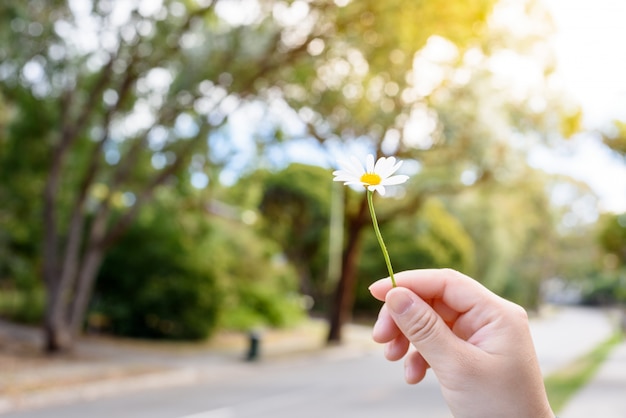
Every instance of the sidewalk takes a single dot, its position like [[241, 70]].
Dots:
[[558, 345], [104, 366], [562, 334], [605, 395]]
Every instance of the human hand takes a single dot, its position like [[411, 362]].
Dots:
[[477, 343]]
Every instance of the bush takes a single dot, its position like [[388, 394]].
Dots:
[[22, 305], [605, 288], [156, 283], [259, 287], [183, 276]]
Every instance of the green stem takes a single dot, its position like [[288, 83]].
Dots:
[[380, 237]]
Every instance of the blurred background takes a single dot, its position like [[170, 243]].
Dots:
[[165, 165]]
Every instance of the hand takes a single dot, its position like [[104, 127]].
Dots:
[[477, 343]]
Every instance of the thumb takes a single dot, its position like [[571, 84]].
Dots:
[[422, 326]]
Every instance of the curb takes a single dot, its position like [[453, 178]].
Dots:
[[97, 389]]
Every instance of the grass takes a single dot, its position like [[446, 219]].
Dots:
[[564, 383]]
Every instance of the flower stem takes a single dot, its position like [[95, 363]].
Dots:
[[380, 237]]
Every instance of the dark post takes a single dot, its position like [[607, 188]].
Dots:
[[254, 342]]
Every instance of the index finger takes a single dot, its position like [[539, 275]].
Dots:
[[456, 290]]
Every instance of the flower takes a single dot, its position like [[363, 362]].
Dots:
[[374, 176]]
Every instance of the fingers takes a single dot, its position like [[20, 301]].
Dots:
[[397, 348], [415, 368], [440, 313], [421, 325], [385, 329], [458, 292]]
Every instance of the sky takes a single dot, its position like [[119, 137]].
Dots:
[[591, 63]]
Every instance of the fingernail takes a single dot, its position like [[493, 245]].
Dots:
[[372, 285], [399, 302]]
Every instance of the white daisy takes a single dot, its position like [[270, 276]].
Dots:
[[374, 176]]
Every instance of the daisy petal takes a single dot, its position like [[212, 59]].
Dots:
[[383, 165], [369, 165], [390, 168], [393, 180], [352, 167], [355, 182], [358, 167]]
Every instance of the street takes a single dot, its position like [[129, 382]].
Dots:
[[350, 381], [363, 385]]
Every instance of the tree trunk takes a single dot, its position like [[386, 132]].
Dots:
[[58, 338], [66, 305], [341, 309], [57, 335], [84, 288]]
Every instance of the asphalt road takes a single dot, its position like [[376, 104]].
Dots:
[[343, 385]]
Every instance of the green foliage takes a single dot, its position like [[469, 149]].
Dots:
[[513, 230], [606, 284], [605, 287], [259, 306], [22, 305], [183, 276], [295, 205], [156, 283], [23, 163], [433, 238], [612, 238], [259, 288]]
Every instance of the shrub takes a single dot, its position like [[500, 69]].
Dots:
[[183, 276], [156, 284], [259, 287], [605, 288]]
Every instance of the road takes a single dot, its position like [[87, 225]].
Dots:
[[343, 382], [329, 385]]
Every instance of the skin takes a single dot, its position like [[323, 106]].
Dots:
[[478, 344]]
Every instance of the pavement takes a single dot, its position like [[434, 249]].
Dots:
[[605, 395], [102, 366]]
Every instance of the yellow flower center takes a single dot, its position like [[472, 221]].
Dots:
[[371, 179]]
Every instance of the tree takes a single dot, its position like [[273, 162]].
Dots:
[[607, 282], [124, 97], [465, 135], [514, 230], [296, 207], [128, 96], [612, 238]]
